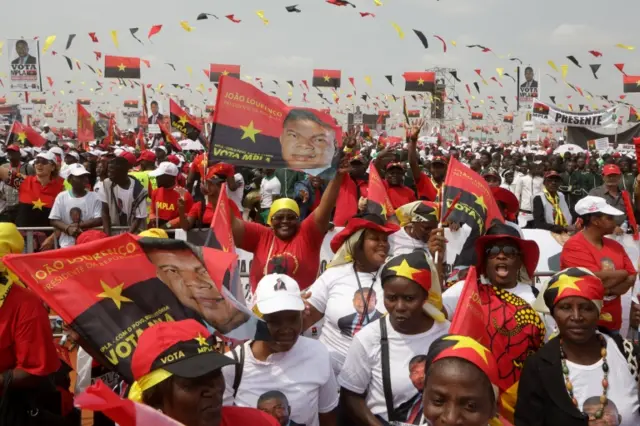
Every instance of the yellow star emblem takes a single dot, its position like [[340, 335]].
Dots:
[[420, 82], [480, 202], [327, 78], [250, 132], [565, 282], [113, 293], [201, 340], [121, 67], [225, 72], [22, 136], [38, 204], [468, 342], [405, 270], [183, 120]]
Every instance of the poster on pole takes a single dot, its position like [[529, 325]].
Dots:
[[24, 65], [528, 91]]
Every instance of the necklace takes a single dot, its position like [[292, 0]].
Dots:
[[605, 382]]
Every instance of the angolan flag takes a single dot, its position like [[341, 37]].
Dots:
[[121, 67], [183, 122], [631, 83], [422, 81], [218, 70], [327, 78]]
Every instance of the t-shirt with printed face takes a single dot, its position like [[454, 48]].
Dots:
[[578, 252], [303, 374], [362, 370], [347, 307], [70, 209]]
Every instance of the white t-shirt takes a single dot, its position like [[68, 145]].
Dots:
[[362, 370], [125, 199], [236, 196], [451, 296], [335, 293], [71, 209], [268, 188], [402, 243], [623, 390], [98, 187], [303, 374]]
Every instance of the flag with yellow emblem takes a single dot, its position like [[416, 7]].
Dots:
[[110, 290], [86, 126], [25, 135], [378, 201], [183, 122], [218, 70], [257, 130], [121, 67]]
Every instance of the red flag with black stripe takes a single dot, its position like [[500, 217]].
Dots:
[[39, 101], [254, 129], [326, 78], [476, 116], [378, 201], [183, 121], [422, 81], [168, 136], [132, 103], [86, 125], [84, 101], [121, 67], [110, 290], [218, 70], [25, 135], [631, 83], [508, 118]]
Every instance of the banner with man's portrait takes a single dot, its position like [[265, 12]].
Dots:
[[24, 65], [254, 129], [528, 90]]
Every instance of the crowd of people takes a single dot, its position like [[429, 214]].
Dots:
[[370, 340]]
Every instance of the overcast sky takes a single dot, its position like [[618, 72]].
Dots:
[[326, 36]]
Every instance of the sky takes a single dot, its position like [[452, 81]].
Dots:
[[329, 37]]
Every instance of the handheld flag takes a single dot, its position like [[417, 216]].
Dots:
[[25, 135], [184, 122]]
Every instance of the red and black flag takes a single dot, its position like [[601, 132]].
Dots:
[[84, 101], [422, 81], [413, 113], [166, 133], [133, 103], [634, 116], [183, 122], [541, 110], [508, 118], [48, 114], [476, 116], [218, 70], [111, 290], [121, 67], [254, 129], [631, 83], [145, 110], [475, 208], [86, 126], [378, 201], [25, 135], [327, 78], [39, 101], [209, 108]]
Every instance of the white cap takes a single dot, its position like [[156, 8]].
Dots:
[[162, 147], [56, 150], [276, 293], [118, 151], [165, 168], [76, 169], [46, 125], [74, 155], [47, 155], [591, 204]]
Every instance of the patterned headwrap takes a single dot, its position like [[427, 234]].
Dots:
[[419, 268], [578, 282], [418, 211], [282, 204], [11, 242]]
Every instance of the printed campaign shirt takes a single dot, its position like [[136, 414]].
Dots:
[[34, 200], [164, 203]]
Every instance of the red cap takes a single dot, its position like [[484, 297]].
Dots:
[[551, 173], [395, 164], [222, 170], [174, 159], [439, 159], [129, 157], [147, 156], [611, 169], [13, 147]]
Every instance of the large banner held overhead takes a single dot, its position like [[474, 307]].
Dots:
[[24, 65], [550, 114], [254, 129], [111, 290]]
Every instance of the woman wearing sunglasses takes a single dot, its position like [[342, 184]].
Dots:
[[515, 329]]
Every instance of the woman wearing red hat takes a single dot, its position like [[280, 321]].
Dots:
[[383, 382], [345, 294], [581, 377]]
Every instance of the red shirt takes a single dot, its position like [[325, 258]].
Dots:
[[164, 201], [347, 204], [26, 341], [399, 195], [235, 416], [427, 188], [577, 251], [209, 211], [300, 255]]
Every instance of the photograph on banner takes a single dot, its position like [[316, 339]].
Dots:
[[155, 111], [550, 114], [258, 130], [528, 91], [109, 291], [24, 65]]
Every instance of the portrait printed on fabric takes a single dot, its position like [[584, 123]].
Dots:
[[364, 304], [276, 404]]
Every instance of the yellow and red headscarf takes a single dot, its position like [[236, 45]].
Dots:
[[578, 282]]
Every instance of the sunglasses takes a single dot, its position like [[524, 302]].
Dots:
[[508, 251], [287, 217]]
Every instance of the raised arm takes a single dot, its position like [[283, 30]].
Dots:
[[412, 139]]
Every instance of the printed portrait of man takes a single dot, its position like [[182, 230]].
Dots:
[[611, 416], [182, 271], [276, 404], [307, 141], [411, 410], [22, 50], [364, 302], [529, 81]]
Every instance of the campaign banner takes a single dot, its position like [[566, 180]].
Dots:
[[24, 65], [550, 114], [528, 91], [254, 129], [109, 291]]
